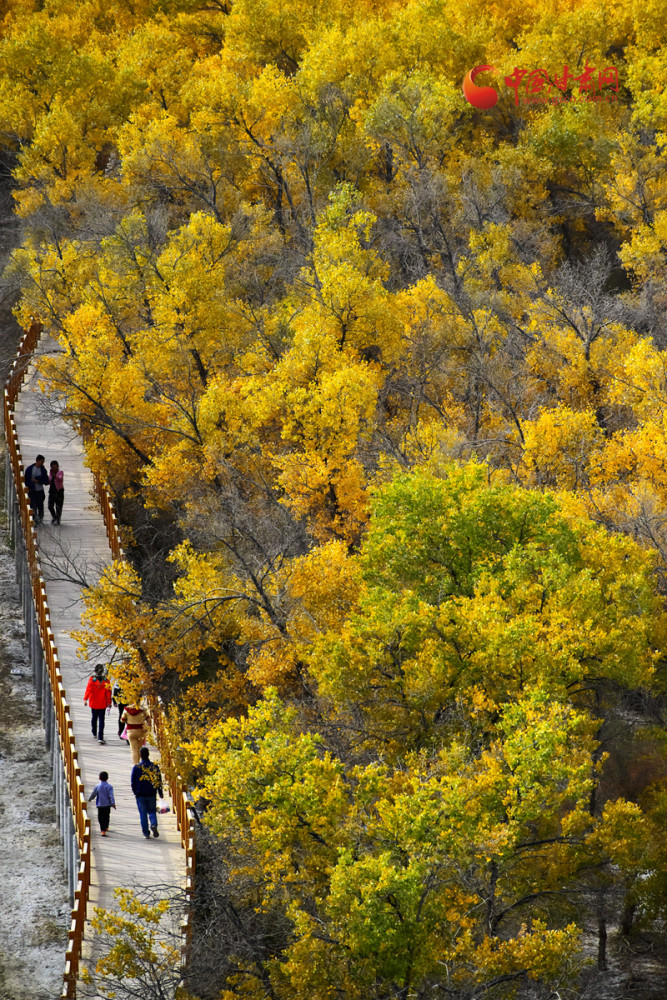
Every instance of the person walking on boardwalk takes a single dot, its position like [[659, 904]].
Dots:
[[104, 800], [120, 703], [36, 478], [98, 697], [56, 493], [146, 780], [138, 723]]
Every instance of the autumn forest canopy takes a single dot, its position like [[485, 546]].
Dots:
[[377, 380]]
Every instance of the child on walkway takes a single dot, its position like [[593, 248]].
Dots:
[[104, 800]]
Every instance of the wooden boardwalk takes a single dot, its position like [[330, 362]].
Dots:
[[124, 858]]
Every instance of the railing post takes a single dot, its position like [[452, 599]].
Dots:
[[25, 576], [11, 513], [19, 564], [34, 640], [38, 676], [55, 776], [18, 560], [71, 840], [47, 710], [9, 498]]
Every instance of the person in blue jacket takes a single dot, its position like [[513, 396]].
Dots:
[[104, 800], [146, 782], [36, 478]]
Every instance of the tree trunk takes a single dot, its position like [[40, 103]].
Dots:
[[602, 937], [628, 918]]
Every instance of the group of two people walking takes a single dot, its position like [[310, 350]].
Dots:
[[37, 479], [133, 720], [146, 782]]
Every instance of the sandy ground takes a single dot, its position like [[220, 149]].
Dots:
[[34, 907]]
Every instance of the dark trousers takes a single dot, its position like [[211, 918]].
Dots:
[[37, 503], [103, 814], [56, 500], [121, 725], [97, 722]]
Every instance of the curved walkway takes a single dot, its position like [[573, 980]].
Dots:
[[124, 858]]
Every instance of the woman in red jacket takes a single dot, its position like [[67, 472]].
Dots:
[[98, 697]]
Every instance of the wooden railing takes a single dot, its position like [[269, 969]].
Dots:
[[65, 733], [109, 515], [179, 793], [184, 818], [24, 354], [178, 788]]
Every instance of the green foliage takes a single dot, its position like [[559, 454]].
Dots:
[[473, 593], [458, 694]]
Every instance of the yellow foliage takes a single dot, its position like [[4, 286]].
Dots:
[[558, 447], [329, 331]]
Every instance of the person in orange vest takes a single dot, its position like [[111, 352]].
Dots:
[[137, 722], [98, 698]]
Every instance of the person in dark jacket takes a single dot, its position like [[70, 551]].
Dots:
[[98, 697], [119, 701], [36, 478], [146, 783]]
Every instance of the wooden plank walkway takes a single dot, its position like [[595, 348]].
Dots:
[[124, 858]]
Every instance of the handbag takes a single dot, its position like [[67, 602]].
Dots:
[[123, 735]]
